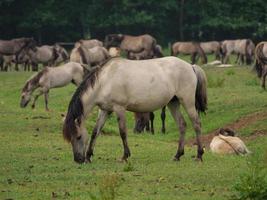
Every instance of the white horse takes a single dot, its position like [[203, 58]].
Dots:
[[51, 77], [123, 85]]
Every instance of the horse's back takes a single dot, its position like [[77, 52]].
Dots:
[[139, 81]]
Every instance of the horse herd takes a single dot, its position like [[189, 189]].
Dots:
[[143, 83]]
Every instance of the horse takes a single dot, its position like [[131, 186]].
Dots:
[[114, 51], [261, 61], [90, 57], [143, 44], [227, 143], [189, 48], [51, 77], [15, 46], [122, 85], [89, 43], [212, 47], [63, 55], [45, 55], [157, 53], [244, 48]]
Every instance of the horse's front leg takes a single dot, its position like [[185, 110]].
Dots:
[[102, 117], [36, 97], [46, 94], [264, 74], [163, 117], [120, 112], [152, 116]]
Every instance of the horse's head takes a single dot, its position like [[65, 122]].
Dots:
[[113, 40], [30, 44], [26, 95], [74, 130], [79, 143]]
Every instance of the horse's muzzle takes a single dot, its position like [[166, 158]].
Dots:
[[23, 104], [79, 158]]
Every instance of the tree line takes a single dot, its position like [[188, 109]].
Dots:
[[50, 21]]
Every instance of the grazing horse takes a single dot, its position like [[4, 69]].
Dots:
[[88, 44], [90, 57], [122, 85], [212, 47], [145, 45], [45, 55], [142, 55], [51, 77], [244, 48], [189, 48], [261, 61]]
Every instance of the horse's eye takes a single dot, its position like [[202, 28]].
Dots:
[[79, 137]]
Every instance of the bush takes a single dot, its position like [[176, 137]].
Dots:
[[252, 185]]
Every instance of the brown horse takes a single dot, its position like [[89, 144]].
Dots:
[[261, 61], [189, 48], [145, 45]]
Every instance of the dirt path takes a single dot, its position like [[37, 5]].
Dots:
[[237, 125]]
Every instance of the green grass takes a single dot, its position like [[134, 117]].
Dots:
[[36, 163]]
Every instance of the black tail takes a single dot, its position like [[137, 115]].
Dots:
[[201, 100], [201, 53]]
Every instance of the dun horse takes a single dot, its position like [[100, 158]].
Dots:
[[90, 57], [261, 61], [89, 44], [138, 86], [243, 48], [45, 55], [189, 48], [144, 45], [212, 47], [51, 77]]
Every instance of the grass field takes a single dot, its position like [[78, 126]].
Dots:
[[36, 163]]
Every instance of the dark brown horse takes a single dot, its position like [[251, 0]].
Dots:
[[144, 45], [261, 61], [189, 48]]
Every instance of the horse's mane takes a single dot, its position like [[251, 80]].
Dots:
[[82, 54], [76, 109], [34, 79]]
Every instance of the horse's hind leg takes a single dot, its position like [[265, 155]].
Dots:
[[102, 118], [163, 117], [264, 74], [120, 112], [181, 124], [191, 110]]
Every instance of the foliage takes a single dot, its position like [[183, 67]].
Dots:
[[46, 20], [252, 185]]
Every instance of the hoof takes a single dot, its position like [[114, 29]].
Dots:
[[87, 161], [176, 159], [33, 106]]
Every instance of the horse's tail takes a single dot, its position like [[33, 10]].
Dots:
[[201, 102], [261, 60], [55, 54], [172, 53], [201, 53], [247, 53]]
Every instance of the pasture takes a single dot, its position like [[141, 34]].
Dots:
[[36, 163]]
